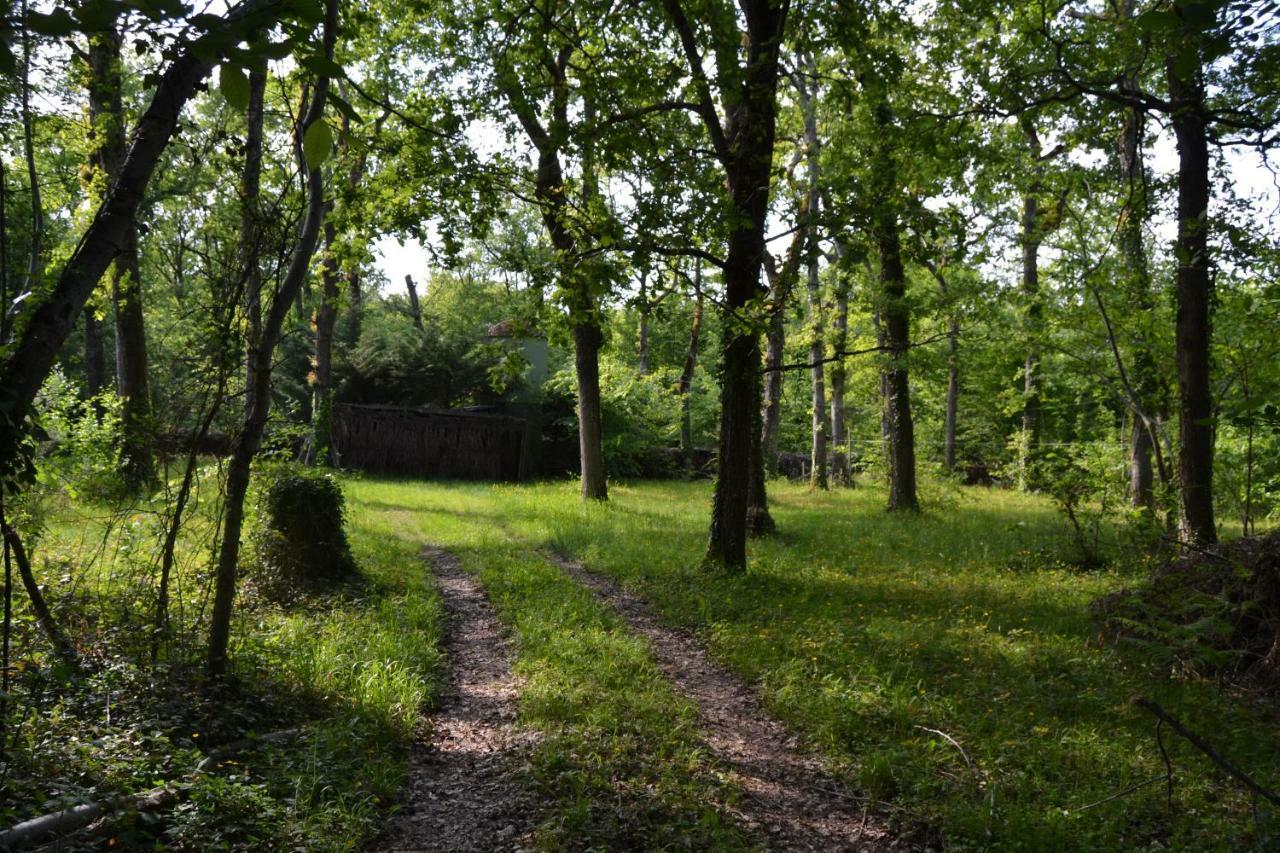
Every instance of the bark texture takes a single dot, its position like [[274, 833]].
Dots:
[[895, 321], [1193, 329], [107, 128]]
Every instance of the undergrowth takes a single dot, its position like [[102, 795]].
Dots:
[[343, 677]]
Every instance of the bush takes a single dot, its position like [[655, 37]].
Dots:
[[301, 538], [1215, 611]]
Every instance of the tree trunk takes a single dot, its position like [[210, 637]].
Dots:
[[29, 361], [686, 374], [817, 347], [107, 123], [953, 394], [1194, 300], [642, 332], [895, 321], [95, 358], [817, 352], [259, 391], [251, 222], [1030, 438], [137, 463], [897, 330], [1134, 258], [759, 521], [1032, 236], [587, 339], [744, 145], [775, 346], [415, 308], [325, 317], [840, 468]]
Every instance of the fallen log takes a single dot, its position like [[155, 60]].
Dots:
[[75, 818]]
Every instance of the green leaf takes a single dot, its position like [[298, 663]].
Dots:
[[322, 65], [317, 143], [341, 105], [57, 23], [1157, 20], [234, 85]]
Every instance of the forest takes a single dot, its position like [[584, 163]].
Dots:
[[640, 425]]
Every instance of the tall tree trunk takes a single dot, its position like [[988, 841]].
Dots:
[[1134, 257], [744, 145], [1031, 236], [138, 464], [576, 281], [781, 283], [895, 320], [415, 307], [685, 387], [897, 330], [35, 256], [588, 336], [953, 365], [259, 391], [817, 347], [1194, 298], [251, 222], [840, 468], [29, 361], [107, 122], [953, 393], [817, 352], [326, 317]]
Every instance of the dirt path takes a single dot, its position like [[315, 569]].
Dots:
[[462, 793], [791, 802]]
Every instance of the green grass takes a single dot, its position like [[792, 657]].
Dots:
[[863, 629], [351, 672], [619, 756]]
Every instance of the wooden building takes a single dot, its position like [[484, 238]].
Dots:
[[449, 444]]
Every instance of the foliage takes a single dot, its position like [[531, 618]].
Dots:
[[1215, 612], [81, 456], [350, 674], [1085, 482], [301, 540]]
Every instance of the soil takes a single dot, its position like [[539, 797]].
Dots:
[[790, 801], [465, 789]]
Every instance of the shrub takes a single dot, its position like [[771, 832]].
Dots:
[[1215, 611], [301, 537]]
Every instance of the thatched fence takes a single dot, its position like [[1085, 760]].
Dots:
[[431, 443]]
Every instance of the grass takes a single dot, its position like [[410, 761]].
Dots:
[[350, 672], [868, 633], [865, 631], [619, 756]]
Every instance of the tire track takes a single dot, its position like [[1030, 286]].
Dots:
[[790, 802], [463, 791]]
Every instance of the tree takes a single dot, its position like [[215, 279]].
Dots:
[[317, 140], [47, 327], [742, 141]]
